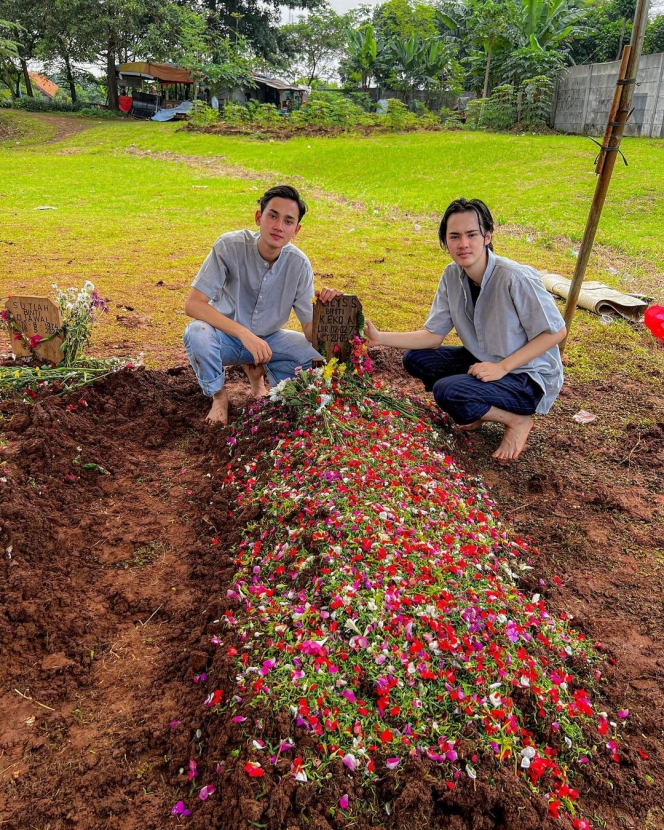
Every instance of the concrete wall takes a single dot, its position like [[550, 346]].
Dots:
[[584, 94]]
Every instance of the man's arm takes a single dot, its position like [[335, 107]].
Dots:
[[197, 306], [534, 348], [420, 339]]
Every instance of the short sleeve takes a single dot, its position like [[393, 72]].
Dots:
[[302, 305], [535, 306], [211, 278], [439, 320]]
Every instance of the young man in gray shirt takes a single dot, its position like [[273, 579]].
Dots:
[[509, 366], [243, 296]]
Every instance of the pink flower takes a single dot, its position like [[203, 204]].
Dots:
[[392, 763], [343, 802], [193, 770], [350, 761], [206, 791]]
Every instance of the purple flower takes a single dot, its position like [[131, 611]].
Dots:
[[180, 810]]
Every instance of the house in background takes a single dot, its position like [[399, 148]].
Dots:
[[46, 89]]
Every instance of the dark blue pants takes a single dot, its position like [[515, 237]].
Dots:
[[466, 399]]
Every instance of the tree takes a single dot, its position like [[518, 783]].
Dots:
[[653, 41], [9, 51], [608, 28], [418, 63], [255, 20], [491, 24], [315, 43], [362, 50]]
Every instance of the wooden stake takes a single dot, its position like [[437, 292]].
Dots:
[[614, 130]]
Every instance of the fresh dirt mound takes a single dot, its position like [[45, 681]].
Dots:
[[111, 587]]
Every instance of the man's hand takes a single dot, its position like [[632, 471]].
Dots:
[[260, 351], [487, 372], [371, 333], [327, 294]]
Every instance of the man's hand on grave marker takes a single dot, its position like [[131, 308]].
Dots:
[[327, 294]]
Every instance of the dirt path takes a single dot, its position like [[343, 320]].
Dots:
[[66, 126]]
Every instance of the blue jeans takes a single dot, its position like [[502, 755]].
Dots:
[[466, 399], [209, 350]]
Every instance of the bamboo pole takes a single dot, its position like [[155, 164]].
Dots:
[[607, 158]]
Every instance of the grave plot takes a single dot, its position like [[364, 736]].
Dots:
[[326, 541]]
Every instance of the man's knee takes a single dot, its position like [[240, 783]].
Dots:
[[199, 336]]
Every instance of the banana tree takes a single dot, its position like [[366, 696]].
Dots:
[[362, 51]]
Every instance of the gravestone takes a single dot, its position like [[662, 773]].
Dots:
[[36, 316], [335, 325]]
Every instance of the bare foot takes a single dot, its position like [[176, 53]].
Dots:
[[514, 439], [471, 427], [256, 375], [218, 414]]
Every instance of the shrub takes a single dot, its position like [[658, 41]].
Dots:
[[38, 105], [328, 110], [234, 114], [474, 113], [202, 115], [398, 117], [500, 110], [263, 115], [98, 112], [449, 118], [536, 100]]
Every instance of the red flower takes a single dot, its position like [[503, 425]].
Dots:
[[253, 769]]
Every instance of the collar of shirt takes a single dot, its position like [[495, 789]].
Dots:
[[268, 266]]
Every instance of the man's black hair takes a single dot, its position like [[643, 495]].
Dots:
[[475, 206], [284, 191]]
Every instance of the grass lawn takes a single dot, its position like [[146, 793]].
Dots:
[[137, 206]]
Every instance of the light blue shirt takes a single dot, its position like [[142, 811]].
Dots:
[[243, 286], [512, 309]]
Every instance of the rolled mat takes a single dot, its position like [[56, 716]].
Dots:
[[599, 298]]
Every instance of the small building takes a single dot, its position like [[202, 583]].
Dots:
[[281, 94], [45, 87]]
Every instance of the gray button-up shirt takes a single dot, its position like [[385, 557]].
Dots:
[[513, 308], [242, 286]]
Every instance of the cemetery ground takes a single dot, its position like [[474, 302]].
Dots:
[[120, 544]]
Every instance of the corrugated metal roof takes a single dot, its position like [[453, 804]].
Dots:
[[275, 83]]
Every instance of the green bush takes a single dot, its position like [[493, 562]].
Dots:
[[499, 112], [263, 115], [398, 117], [474, 113], [536, 100], [38, 105], [98, 112], [328, 110], [235, 114], [449, 118], [202, 115]]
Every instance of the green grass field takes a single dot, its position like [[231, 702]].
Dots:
[[138, 205]]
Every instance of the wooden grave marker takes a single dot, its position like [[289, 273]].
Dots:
[[36, 315], [335, 325]]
